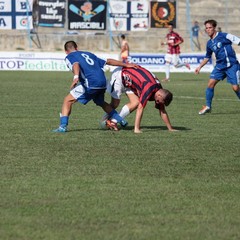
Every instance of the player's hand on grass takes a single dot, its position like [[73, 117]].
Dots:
[[137, 131], [173, 130]]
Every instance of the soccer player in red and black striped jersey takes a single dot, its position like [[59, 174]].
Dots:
[[173, 40], [141, 86]]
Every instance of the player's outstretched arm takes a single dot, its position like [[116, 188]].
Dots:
[[114, 62], [138, 118], [166, 120], [76, 71]]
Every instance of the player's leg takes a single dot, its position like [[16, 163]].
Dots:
[[99, 101], [76, 94], [209, 93], [115, 88], [168, 60], [178, 63], [131, 106], [236, 89], [69, 100], [114, 116], [233, 77]]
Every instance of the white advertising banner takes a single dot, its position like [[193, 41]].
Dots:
[[156, 62], [48, 61], [16, 14], [31, 61], [38, 61]]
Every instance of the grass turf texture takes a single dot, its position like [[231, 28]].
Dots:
[[96, 184]]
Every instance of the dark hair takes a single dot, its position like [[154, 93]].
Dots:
[[170, 24], [212, 22], [70, 45], [123, 36], [168, 97]]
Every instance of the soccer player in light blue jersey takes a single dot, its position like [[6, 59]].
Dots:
[[89, 83], [227, 65]]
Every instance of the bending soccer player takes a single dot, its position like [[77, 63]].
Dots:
[[140, 86], [227, 65], [89, 83]]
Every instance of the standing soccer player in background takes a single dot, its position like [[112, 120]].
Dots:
[[89, 83], [173, 40], [124, 49], [227, 65], [195, 35]]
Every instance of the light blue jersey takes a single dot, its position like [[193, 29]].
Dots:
[[221, 45], [92, 75]]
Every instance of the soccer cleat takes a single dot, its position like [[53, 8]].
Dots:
[[205, 109], [111, 125], [124, 123], [188, 66], [60, 130]]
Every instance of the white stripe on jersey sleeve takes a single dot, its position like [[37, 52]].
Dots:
[[69, 65], [233, 39]]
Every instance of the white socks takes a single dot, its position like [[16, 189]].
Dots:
[[124, 111], [167, 70]]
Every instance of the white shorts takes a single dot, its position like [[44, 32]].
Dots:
[[115, 86], [78, 91], [172, 58]]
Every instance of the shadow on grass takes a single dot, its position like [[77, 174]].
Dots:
[[128, 128], [165, 128]]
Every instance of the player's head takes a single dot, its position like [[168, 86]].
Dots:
[[122, 36], [70, 46], [211, 22], [170, 27], [163, 96], [210, 27]]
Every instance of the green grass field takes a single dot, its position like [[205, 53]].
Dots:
[[93, 184]]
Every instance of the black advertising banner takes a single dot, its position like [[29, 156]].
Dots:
[[163, 13], [85, 15], [51, 13]]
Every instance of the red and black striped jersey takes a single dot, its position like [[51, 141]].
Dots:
[[142, 82], [172, 38]]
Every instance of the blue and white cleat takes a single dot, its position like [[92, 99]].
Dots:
[[124, 123], [60, 130]]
